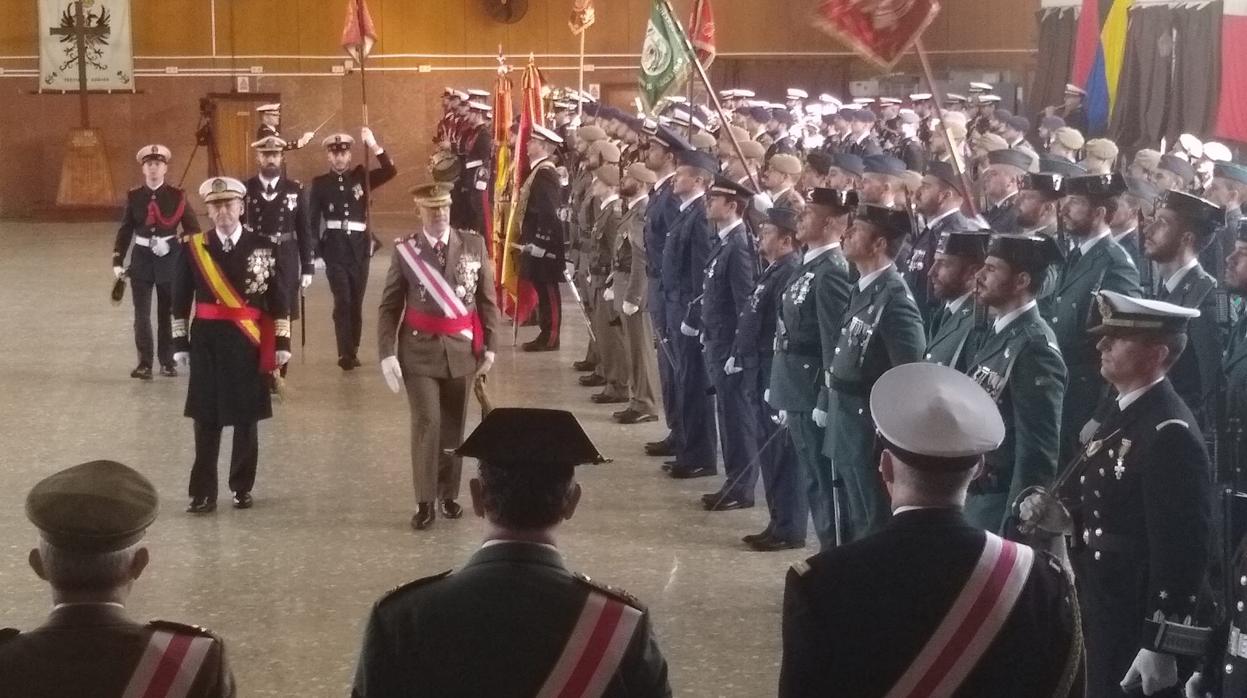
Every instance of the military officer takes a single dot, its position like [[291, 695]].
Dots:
[[91, 520], [1094, 263], [541, 236], [1020, 367], [275, 210], [153, 215], [1039, 205], [780, 178], [1136, 207], [471, 190], [580, 219], [755, 339], [812, 305], [1234, 401], [607, 327], [1000, 187], [270, 123], [1141, 517], [881, 328], [1185, 224], [631, 295], [892, 598], [882, 182], [728, 279], [939, 200], [514, 620], [437, 330], [860, 140], [339, 200], [1227, 189], [957, 328]]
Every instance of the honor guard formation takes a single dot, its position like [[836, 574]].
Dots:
[[990, 372]]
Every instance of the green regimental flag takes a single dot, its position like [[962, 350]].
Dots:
[[665, 58]]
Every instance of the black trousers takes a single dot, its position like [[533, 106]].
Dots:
[[141, 294], [242, 464], [347, 283], [549, 312]]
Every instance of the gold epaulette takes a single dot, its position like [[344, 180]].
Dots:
[[180, 628], [413, 585], [612, 592]]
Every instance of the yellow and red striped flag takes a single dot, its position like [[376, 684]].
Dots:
[[359, 35]]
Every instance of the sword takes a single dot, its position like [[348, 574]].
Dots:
[[580, 304], [757, 460], [302, 320]]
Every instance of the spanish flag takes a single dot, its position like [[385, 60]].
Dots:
[[1099, 51]]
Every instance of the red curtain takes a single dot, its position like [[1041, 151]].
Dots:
[[1232, 113]]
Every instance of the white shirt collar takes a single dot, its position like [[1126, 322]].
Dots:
[[865, 282], [1172, 282], [727, 229], [73, 604], [266, 183], [955, 304], [534, 163], [444, 238], [1118, 236], [1090, 242], [663, 178], [902, 510], [936, 219], [639, 198], [1124, 401], [608, 201], [232, 237], [781, 192], [1005, 320], [689, 202], [499, 541], [814, 252]]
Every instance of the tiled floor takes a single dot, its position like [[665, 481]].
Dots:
[[288, 583]]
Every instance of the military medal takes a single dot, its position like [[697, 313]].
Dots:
[[1120, 468]]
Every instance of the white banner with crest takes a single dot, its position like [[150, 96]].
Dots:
[[103, 37]]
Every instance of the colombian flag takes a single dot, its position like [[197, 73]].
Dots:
[[1099, 51]]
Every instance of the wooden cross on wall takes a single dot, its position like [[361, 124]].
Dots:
[[80, 31]]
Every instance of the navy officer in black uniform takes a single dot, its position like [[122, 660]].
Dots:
[[891, 613], [153, 215], [339, 199], [514, 620]]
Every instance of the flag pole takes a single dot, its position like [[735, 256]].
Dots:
[[363, 93], [580, 90], [714, 96], [937, 99], [692, 84]]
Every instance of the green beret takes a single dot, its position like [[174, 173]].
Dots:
[[96, 507]]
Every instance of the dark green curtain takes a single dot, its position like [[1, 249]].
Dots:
[[1057, 30], [1198, 70]]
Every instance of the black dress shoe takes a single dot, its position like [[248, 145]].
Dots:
[[669, 464], [346, 363], [770, 544], [729, 503], [679, 473], [711, 497], [201, 505], [583, 366], [592, 380], [169, 371], [355, 362], [242, 500], [451, 509], [142, 373], [607, 399], [666, 466], [755, 537], [540, 344], [424, 516], [659, 448]]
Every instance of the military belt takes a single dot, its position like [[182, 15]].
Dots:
[[1177, 638], [1237, 646], [147, 241], [789, 346], [349, 226]]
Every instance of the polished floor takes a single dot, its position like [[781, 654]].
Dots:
[[288, 584]]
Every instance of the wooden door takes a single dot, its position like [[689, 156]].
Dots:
[[234, 124]]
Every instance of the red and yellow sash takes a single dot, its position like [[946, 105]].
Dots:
[[257, 327]]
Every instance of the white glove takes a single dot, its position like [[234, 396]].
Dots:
[[305, 139], [688, 330], [820, 418], [283, 357], [160, 247], [118, 271], [392, 373], [182, 359], [318, 263], [1155, 671], [766, 395], [608, 294], [630, 309], [305, 280], [784, 416], [486, 362], [730, 368], [366, 136], [1193, 686], [763, 202]]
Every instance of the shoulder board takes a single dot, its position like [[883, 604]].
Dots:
[[180, 628], [415, 584], [136, 190], [468, 231], [7, 634], [613, 592], [1167, 422]]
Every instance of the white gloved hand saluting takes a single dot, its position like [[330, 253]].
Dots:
[[392, 373], [305, 280], [182, 359], [630, 309], [283, 357], [820, 418], [118, 272], [688, 330], [1154, 671]]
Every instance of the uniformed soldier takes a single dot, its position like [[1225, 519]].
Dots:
[[812, 306], [580, 218], [780, 179], [275, 210], [233, 279], [892, 597], [1185, 224], [1227, 189], [600, 153], [1038, 207], [1100, 156], [629, 288], [437, 331], [755, 340], [882, 182], [939, 200], [448, 126], [999, 184], [728, 279], [1141, 495], [1020, 367], [514, 621], [91, 520], [607, 327], [1014, 132], [881, 328], [1136, 208], [270, 125], [541, 236], [846, 173], [339, 200], [1175, 173], [684, 256], [153, 214], [956, 330], [1233, 403], [861, 140], [1065, 145], [471, 193], [1094, 263]]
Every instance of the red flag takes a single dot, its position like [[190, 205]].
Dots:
[[701, 32], [583, 16], [880, 30], [359, 34]]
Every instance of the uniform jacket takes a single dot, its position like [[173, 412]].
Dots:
[[1233, 413], [631, 282], [1022, 370], [94, 650], [881, 328], [1003, 217], [1198, 371], [917, 266], [541, 225], [495, 628], [138, 220], [1133, 246], [856, 616], [685, 252], [282, 217], [343, 197], [605, 238], [468, 267], [866, 146], [468, 205], [663, 208], [812, 306], [1106, 266], [755, 329], [953, 338], [728, 282]]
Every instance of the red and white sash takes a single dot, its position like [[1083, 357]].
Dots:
[[168, 666], [971, 624], [435, 283], [594, 650]]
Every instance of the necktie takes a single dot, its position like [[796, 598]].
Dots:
[[440, 249], [270, 189], [1162, 293]]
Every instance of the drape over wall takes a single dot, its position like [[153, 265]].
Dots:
[[1232, 111], [1057, 29]]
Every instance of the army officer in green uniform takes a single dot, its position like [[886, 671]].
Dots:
[[956, 328], [1020, 367]]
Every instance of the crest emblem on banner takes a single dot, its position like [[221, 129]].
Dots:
[[101, 41], [880, 30]]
